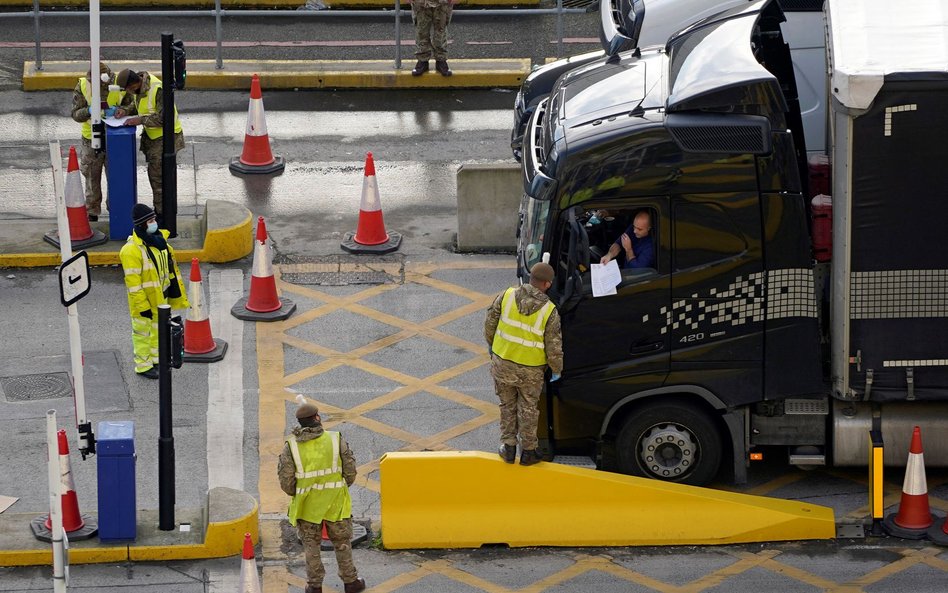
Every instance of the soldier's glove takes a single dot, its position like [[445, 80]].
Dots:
[[110, 112], [146, 313], [555, 377]]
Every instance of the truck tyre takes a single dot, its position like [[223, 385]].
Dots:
[[675, 442]]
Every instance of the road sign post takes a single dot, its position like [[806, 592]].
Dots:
[[72, 270]]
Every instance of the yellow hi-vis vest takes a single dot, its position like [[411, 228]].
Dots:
[[519, 337], [321, 491], [147, 105], [113, 99]]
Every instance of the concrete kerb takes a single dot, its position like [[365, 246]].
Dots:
[[223, 234], [216, 532], [298, 74]]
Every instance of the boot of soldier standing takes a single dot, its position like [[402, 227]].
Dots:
[[442, 67], [355, 586], [530, 457], [314, 589], [508, 453], [420, 68]]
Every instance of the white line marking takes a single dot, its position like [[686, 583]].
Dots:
[[225, 386]]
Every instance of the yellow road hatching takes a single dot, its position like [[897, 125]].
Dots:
[[282, 574]]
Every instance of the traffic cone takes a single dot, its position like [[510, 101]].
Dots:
[[359, 535], [370, 235], [199, 344], [914, 516], [249, 579], [256, 157], [81, 233], [325, 543], [78, 526], [263, 303]]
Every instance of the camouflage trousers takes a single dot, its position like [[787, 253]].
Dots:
[[518, 389], [153, 152], [431, 30], [91, 165], [340, 534]]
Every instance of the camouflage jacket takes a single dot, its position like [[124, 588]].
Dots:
[[80, 107], [529, 299], [286, 469], [130, 103]]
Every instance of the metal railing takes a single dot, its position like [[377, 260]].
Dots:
[[218, 13]]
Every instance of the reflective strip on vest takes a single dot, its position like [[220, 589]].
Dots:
[[147, 106], [113, 99], [295, 451], [516, 336]]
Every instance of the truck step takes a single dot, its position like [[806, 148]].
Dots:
[[575, 461], [805, 407], [807, 459]]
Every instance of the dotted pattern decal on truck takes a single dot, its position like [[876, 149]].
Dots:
[[743, 301]]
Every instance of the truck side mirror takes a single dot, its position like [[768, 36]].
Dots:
[[620, 23]]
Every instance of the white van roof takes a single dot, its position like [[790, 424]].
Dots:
[[872, 39]]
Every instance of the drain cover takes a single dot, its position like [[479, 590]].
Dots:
[[28, 388], [343, 270], [850, 531]]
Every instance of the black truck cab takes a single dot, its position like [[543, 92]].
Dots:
[[704, 136]]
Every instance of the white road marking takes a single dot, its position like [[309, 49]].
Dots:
[[225, 386]]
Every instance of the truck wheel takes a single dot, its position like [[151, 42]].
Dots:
[[674, 442]]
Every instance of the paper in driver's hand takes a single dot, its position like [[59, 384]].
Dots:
[[605, 278]]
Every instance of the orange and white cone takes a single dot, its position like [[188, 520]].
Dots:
[[370, 235], [263, 302], [199, 344], [325, 543], [78, 526], [81, 233], [256, 157], [914, 516], [249, 579]]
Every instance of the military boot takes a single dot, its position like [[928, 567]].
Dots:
[[442, 67], [314, 589], [355, 586], [508, 453], [420, 68], [530, 457]]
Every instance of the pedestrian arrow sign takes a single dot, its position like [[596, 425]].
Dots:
[[74, 280]]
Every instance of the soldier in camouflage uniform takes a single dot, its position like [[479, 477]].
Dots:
[[523, 330], [143, 97], [90, 161], [431, 34], [312, 466]]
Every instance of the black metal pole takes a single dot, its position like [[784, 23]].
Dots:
[[165, 438], [169, 167]]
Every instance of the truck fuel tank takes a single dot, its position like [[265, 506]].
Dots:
[[853, 420]]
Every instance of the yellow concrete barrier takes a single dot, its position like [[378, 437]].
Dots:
[[451, 499]]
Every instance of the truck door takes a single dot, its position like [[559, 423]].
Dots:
[[716, 318], [612, 346]]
